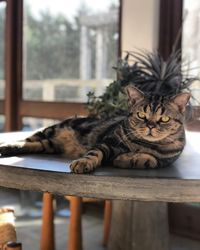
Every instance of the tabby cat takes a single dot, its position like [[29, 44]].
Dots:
[[151, 136]]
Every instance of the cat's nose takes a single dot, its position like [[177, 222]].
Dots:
[[151, 124]]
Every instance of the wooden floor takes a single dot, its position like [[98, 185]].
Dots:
[[28, 227]]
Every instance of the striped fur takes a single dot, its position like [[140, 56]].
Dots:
[[151, 136]]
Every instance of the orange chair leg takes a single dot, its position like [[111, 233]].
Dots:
[[107, 221], [47, 232], [75, 231]]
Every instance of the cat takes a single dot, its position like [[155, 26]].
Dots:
[[152, 135]]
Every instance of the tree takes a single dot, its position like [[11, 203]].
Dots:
[[51, 47]]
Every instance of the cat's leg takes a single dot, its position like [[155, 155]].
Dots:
[[40, 142], [91, 160], [27, 147], [51, 140], [135, 160]]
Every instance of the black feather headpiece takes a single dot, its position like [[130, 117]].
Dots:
[[152, 75], [147, 71]]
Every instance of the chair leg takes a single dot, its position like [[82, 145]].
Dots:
[[107, 221], [75, 231], [47, 231]]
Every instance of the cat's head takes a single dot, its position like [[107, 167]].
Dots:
[[154, 118]]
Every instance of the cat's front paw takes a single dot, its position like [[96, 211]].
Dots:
[[143, 160], [82, 165]]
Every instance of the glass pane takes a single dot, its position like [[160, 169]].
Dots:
[[70, 48], [191, 54], [2, 123], [191, 45], [29, 123], [2, 48]]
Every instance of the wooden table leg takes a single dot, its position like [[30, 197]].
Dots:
[[139, 226], [75, 230], [107, 221], [47, 232]]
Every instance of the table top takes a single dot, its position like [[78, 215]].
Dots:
[[177, 183]]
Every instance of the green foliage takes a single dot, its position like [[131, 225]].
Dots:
[[113, 102], [51, 46]]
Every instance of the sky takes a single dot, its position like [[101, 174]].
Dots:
[[191, 4], [68, 7]]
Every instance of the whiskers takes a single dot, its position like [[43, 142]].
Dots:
[[125, 136], [171, 140]]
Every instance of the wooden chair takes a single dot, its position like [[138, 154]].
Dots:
[[75, 229], [47, 233], [8, 236], [107, 221]]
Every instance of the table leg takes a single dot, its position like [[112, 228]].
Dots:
[[75, 232], [47, 232], [139, 226]]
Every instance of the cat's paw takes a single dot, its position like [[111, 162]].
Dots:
[[8, 150], [140, 160], [82, 165], [144, 161]]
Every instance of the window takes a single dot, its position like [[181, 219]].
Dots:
[[184, 218], [69, 48], [55, 53], [30, 123], [191, 45], [191, 53]]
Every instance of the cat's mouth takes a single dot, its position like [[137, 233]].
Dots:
[[149, 133], [152, 135], [151, 138]]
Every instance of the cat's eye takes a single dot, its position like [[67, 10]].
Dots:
[[141, 115], [165, 118]]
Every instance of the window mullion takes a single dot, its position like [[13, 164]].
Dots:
[[13, 64]]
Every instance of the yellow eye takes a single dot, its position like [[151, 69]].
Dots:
[[141, 115], [165, 118]]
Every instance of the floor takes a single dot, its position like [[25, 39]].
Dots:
[[28, 223]]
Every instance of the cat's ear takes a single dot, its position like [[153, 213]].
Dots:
[[181, 100], [134, 94]]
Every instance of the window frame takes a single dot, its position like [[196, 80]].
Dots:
[[183, 218], [170, 24], [14, 107]]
